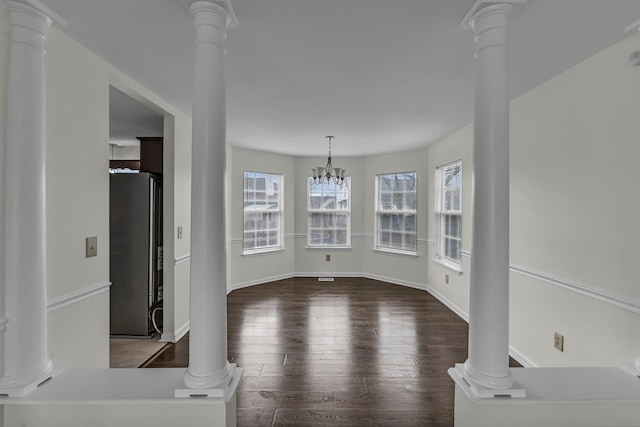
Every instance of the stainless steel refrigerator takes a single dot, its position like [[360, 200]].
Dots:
[[135, 232]]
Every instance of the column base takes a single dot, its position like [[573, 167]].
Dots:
[[462, 378], [223, 390], [12, 388]]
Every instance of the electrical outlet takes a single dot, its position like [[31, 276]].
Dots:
[[179, 232], [558, 341], [446, 279], [327, 257], [91, 247]]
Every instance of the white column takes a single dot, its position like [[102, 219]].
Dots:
[[208, 365], [487, 368], [26, 358]]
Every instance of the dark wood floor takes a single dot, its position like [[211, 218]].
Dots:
[[354, 352]]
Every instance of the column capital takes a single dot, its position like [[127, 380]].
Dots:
[[467, 22], [222, 8], [38, 8], [490, 25], [211, 19]]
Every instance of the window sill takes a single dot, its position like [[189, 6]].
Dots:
[[396, 252], [328, 247], [455, 267], [262, 251]]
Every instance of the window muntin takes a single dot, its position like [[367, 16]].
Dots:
[[328, 214], [449, 212], [262, 212], [396, 212]]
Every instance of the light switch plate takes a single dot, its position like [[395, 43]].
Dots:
[[91, 246], [558, 341]]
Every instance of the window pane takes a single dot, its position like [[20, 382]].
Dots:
[[262, 192], [329, 216], [410, 223], [410, 201], [456, 200], [396, 192], [449, 200], [385, 222], [452, 226]]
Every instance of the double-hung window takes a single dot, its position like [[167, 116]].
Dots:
[[262, 212], [328, 214], [396, 212], [449, 213]]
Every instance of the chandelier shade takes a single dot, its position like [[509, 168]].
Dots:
[[327, 173]]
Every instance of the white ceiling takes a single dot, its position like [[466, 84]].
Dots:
[[380, 75], [129, 119]]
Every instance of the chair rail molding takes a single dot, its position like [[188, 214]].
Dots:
[[77, 296]]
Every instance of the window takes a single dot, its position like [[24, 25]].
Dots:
[[262, 212], [329, 214], [396, 212], [449, 213]]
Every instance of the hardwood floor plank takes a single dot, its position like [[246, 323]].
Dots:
[[303, 384], [262, 417], [286, 399], [353, 352], [355, 418]]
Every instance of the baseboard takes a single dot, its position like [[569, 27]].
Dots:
[[329, 274], [521, 358], [260, 281], [175, 337]]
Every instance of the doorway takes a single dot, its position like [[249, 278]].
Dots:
[[136, 230]]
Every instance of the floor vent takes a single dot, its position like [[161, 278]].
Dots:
[[325, 279]]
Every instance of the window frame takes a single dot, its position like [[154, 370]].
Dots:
[[279, 211], [311, 211], [379, 211], [442, 214]]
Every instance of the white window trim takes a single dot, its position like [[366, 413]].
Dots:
[[378, 211], [447, 263], [310, 211], [396, 252], [280, 211], [261, 251], [450, 263]]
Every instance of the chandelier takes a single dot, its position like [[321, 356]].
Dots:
[[328, 174]]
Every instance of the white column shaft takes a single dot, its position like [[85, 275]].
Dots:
[[208, 366], [488, 362], [26, 356]]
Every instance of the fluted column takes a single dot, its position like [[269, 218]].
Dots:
[[208, 365], [26, 358]]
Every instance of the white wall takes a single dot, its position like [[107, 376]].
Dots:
[[575, 210], [457, 146], [244, 270], [77, 200], [124, 152], [406, 269], [181, 209], [343, 261]]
